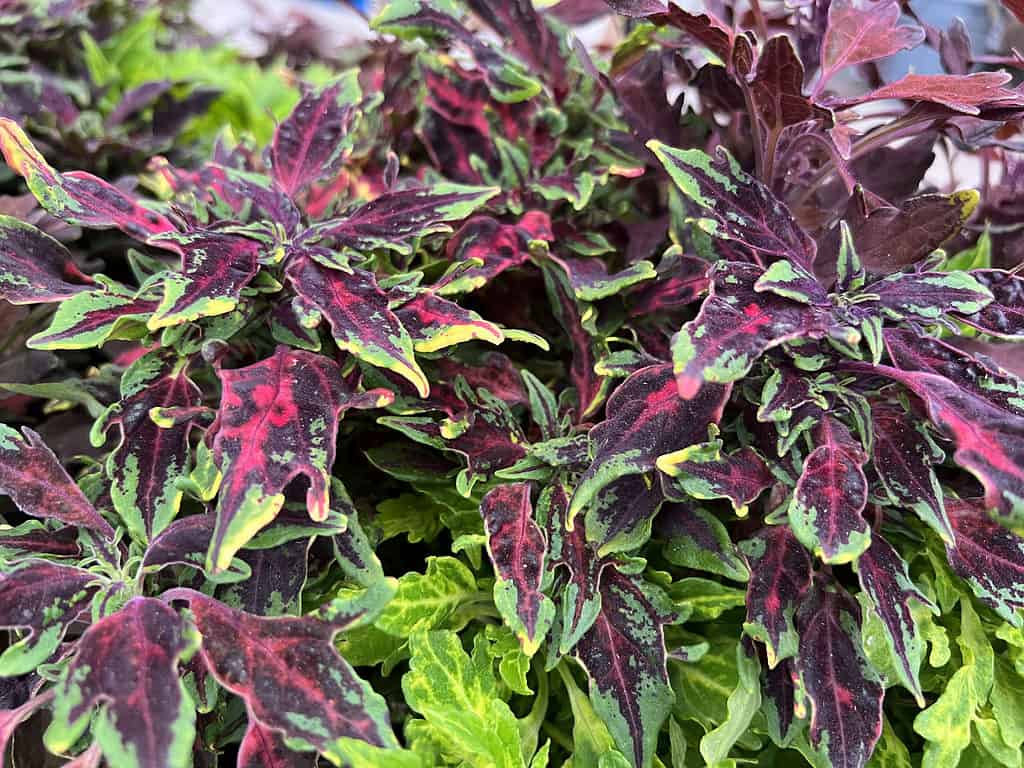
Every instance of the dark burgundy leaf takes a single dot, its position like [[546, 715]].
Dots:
[[780, 575], [34, 267], [128, 661], [1004, 316], [264, 748], [927, 296], [277, 576], [34, 538], [844, 693], [499, 246], [695, 538], [618, 517], [702, 471], [184, 542], [434, 323], [37, 483], [709, 31], [681, 279]]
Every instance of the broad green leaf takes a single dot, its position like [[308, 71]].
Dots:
[[425, 600], [743, 704]]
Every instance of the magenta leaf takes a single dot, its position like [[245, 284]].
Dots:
[[127, 663], [310, 143], [1004, 315], [278, 419], [843, 690], [215, 267], [264, 748], [39, 486], [736, 325], [34, 267], [149, 459], [44, 598], [624, 656], [961, 93], [991, 559], [702, 471], [291, 677], [825, 513], [860, 31], [646, 418], [518, 550], [738, 208], [903, 458], [395, 218], [780, 575], [884, 578], [357, 310]]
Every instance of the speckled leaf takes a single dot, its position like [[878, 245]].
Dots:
[[264, 748], [1004, 315], [859, 31], [278, 419], [624, 656], [215, 267], [457, 695], [499, 246], [34, 267], [310, 142], [149, 459], [277, 576], [991, 559], [903, 457], [518, 549], [39, 486], [88, 319], [394, 219], [825, 513], [184, 542], [779, 701], [791, 281], [646, 418], [128, 664], [77, 197], [927, 295], [780, 575], [738, 207], [357, 310], [618, 518], [290, 676], [844, 693], [434, 323], [701, 471], [735, 326], [884, 578], [43, 598], [695, 538], [591, 282]]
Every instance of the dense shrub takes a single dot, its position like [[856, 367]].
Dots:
[[649, 408]]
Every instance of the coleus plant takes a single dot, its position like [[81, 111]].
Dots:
[[748, 459]]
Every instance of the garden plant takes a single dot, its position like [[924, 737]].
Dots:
[[505, 401]]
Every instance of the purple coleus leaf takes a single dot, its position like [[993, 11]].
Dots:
[[825, 512], [394, 219], [736, 324], [90, 318], [961, 93], [780, 575], [903, 457], [43, 598], [434, 323], [128, 663], [277, 576], [518, 550], [358, 313], [990, 558], [844, 693], [702, 471], [311, 142], [618, 518], [884, 578], [148, 461], [264, 748], [695, 538], [215, 267], [278, 419], [39, 486], [498, 246], [708, 30], [1004, 315], [927, 296], [34, 267], [736, 206], [290, 676], [624, 656], [637, 8], [77, 197], [860, 31], [680, 280], [34, 538], [184, 542], [646, 419]]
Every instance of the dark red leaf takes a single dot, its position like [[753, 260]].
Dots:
[[963, 93], [37, 483], [681, 280], [499, 246], [927, 296], [695, 538], [702, 471], [34, 267], [713, 34], [844, 693], [184, 542], [264, 748]]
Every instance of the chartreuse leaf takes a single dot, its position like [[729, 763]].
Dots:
[[425, 600], [128, 664], [518, 550], [592, 743], [457, 696], [743, 704]]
